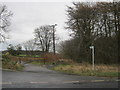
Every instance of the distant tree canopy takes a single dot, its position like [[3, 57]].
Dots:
[[5, 15], [29, 45], [14, 50], [95, 24]]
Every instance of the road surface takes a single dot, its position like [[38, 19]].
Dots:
[[40, 77]]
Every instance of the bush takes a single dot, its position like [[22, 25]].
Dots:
[[50, 57], [8, 62], [5, 57]]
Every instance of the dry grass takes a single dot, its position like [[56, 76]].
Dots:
[[16, 58], [86, 69], [50, 57], [107, 68], [8, 63], [12, 65]]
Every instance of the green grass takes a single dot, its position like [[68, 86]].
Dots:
[[108, 74], [37, 63], [23, 55], [97, 73], [90, 73], [41, 63], [36, 56]]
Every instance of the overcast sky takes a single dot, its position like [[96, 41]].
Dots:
[[29, 15]]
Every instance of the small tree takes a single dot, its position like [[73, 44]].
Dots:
[[29, 45], [11, 49], [14, 50], [18, 49]]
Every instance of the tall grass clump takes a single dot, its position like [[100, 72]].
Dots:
[[86, 69]]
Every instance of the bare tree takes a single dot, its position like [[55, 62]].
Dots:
[[5, 15], [44, 36], [29, 45]]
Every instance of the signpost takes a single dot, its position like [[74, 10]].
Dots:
[[93, 57]]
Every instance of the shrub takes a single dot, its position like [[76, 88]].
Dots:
[[6, 57], [10, 62], [50, 57]]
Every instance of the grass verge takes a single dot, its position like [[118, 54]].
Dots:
[[83, 69], [9, 63], [13, 66], [86, 70]]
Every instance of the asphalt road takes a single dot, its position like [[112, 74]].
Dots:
[[40, 77]]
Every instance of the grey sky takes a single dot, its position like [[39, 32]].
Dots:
[[29, 15]]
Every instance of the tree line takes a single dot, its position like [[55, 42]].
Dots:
[[93, 24], [43, 41]]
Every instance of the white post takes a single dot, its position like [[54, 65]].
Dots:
[[93, 59]]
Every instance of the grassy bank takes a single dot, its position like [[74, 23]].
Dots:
[[86, 70], [9, 63], [13, 66]]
